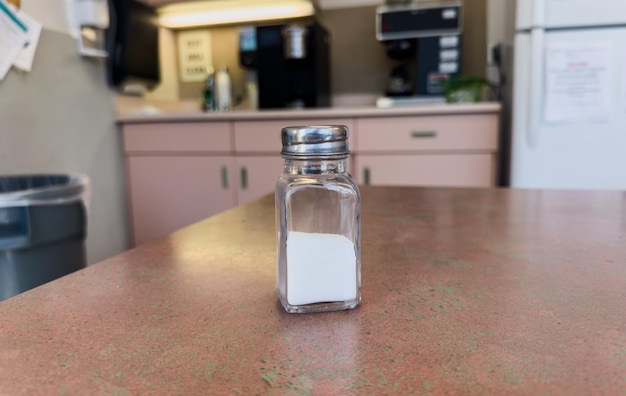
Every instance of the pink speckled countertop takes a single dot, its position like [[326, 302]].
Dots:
[[313, 113], [465, 291]]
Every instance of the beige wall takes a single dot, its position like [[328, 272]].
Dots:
[[56, 15], [60, 117], [168, 89], [500, 28], [474, 48], [359, 65], [224, 48]]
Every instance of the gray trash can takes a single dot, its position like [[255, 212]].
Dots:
[[43, 221]]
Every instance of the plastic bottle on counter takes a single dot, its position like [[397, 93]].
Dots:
[[252, 90], [208, 98], [222, 81]]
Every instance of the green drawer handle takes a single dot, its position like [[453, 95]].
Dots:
[[224, 177], [366, 176], [423, 134], [244, 178]]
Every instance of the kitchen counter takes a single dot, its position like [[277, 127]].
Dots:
[[465, 291], [331, 112]]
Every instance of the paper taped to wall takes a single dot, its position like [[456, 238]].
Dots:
[[24, 58], [13, 36], [194, 54], [578, 83]]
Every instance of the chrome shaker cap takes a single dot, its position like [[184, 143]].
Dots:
[[314, 140]]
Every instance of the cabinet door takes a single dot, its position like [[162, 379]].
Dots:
[[168, 193], [452, 170], [257, 176]]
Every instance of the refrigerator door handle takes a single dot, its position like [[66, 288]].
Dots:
[[538, 13], [535, 79]]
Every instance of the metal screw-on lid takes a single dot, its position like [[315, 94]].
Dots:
[[315, 140]]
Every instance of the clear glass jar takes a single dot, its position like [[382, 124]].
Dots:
[[318, 222]]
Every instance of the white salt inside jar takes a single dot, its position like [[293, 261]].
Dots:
[[320, 268]]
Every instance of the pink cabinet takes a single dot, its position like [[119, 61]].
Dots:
[[450, 170], [178, 173], [257, 176], [171, 192], [455, 150], [182, 172]]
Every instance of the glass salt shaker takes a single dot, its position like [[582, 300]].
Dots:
[[318, 222]]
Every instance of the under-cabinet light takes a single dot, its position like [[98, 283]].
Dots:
[[205, 13]]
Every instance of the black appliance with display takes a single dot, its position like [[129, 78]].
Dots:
[[292, 64], [425, 40]]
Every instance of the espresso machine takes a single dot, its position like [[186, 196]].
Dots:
[[291, 64], [424, 40]]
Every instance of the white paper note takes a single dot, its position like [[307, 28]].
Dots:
[[578, 83], [194, 54], [24, 59], [13, 35]]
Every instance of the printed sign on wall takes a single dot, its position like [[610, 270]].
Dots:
[[194, 54]]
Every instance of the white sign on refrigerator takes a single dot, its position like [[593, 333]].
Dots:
[[578, 83]]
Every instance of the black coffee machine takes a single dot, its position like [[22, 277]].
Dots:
[[292, 64], [425, 42]]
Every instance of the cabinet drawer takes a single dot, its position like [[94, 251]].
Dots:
[[177, 137], [459, 170], [450, 132], [264, 136]]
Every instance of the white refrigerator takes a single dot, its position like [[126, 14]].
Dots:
[[569, 95]]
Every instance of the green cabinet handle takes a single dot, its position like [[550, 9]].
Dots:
[[224, 177], [244, 178], [423, 134], [366, 176]]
